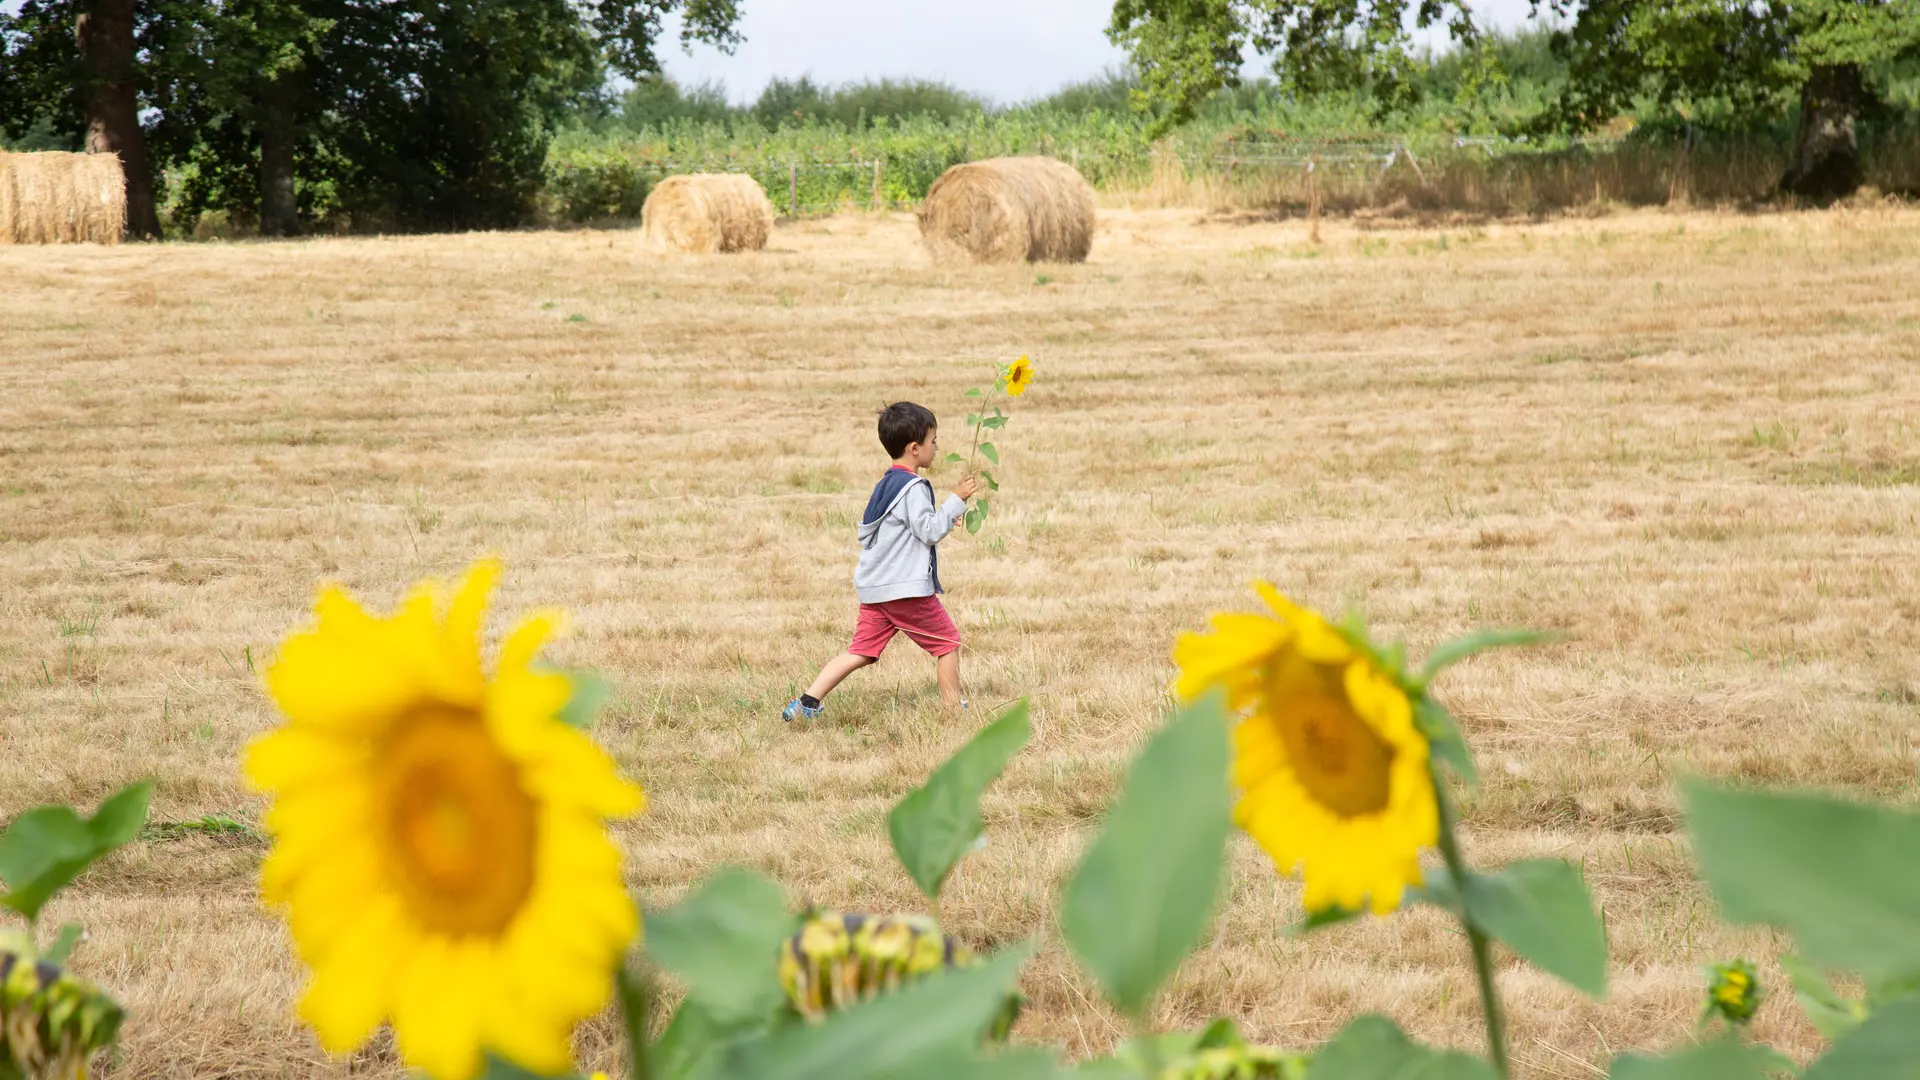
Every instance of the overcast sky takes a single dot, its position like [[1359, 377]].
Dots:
[[1007, 50]]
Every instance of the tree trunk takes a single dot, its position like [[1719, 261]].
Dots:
[[279, 215], [1826, 158], [105, 34]]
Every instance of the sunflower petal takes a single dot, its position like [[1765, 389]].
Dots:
[[352, 989]]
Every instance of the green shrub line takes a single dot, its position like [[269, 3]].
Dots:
[[817, 169]]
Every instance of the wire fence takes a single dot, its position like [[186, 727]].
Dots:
[[1479, 173]]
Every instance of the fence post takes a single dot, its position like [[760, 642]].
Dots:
[[793, 189], [1313, 200]]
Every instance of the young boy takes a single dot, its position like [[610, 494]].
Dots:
[[898, 576]]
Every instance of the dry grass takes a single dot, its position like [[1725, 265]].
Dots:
[[1691, 442]]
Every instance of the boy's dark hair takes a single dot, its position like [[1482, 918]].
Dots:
[[904, 422]]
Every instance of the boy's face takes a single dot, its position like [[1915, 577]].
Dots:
[[923, 452]]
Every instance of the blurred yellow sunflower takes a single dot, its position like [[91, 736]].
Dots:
[[1019, 376], [1333, 775], [440, 847]]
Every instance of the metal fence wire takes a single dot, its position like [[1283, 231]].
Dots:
[[798, 187]]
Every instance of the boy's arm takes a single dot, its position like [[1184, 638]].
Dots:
[[927, 523]]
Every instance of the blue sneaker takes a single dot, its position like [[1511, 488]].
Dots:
[[796, 709]]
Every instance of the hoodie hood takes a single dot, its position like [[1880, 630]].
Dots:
[[887, 492]]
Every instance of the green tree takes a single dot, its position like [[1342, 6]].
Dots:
[[1186, 50], [1752, 59], [413, 113], [657, 101], [1748, 60]]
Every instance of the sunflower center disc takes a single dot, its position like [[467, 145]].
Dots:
[[460, 827], [1339, 759]]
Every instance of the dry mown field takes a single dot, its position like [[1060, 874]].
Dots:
[[1691, 442]]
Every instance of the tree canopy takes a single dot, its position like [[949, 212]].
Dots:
[[1737, 58], [405, 113]]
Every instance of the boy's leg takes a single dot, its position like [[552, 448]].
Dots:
[[948, 667], [837, 669], [871, 632], [925, 620]]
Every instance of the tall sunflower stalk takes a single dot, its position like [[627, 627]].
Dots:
[[1338, 752], [1010, 381]]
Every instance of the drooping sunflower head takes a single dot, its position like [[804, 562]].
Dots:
[[836, 960], [51, 1023], [1019, 376], [1733, 992], [1334, 776], [440, 846]]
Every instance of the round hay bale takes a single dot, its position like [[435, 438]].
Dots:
[[707, 212], [1032, 209], [56, 198]]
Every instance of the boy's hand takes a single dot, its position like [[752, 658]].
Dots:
[[966, 487]]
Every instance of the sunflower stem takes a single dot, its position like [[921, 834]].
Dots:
[[1149, 1045], [1481, 945], [635, 999]]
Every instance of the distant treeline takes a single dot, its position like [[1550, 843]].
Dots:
[[1475, 142], [1530, 76], [1474, 131]]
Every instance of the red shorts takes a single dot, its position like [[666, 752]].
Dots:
[[921, 618]]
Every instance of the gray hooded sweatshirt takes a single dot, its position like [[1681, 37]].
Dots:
[[897, 546]]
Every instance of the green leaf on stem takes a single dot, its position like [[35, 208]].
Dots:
[[1843, 878], [951, 458], [1448, 653], [1317, 920], [973, 391], [589, 695], [973, 419], [43, 850], [1885, 1046], [1132, 1059], [1024, 1064], [119, 819], [994, 423], [1373, 1048], [695, 1042], [1829, 1013], [63, 943], [499, 1068], [992, 484], [1722, 1059], [723, 940], [987, 451], [1443, 734], [1143, 895], [895, 1035], [937, 823], [49, 846], [1540, 909]]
